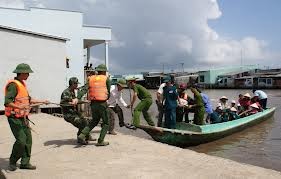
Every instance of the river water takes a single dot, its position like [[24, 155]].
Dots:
[[259, 145]]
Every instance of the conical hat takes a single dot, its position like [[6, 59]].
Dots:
[[233, 101], [233, 109], [247, 95], [254, 105], [223, 97]]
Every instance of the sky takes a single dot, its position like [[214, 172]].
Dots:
[[150, 35]]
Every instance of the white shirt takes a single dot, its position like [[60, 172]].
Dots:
[[260, 94], [115, 97], [161, 90]]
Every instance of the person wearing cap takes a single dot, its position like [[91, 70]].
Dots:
[[69, 107], [159, 101], [98, 88], [114, 105], [17, 106], [198, 106], [145, 102], [170, 96], [262, 96]]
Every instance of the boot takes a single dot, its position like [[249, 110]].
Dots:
[[131, 126], [90, 138], [112, 133], [81, 139], [122, 124], [12, 167], [28, 167], [103, 143], [103, 132]]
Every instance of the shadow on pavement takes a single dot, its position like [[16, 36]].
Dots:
[[59, 143]]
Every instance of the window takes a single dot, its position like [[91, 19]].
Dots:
[[202, 78], [269, 81]]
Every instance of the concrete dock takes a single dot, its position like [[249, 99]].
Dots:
[[57, 155]]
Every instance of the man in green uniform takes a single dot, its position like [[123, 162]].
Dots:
[[146, 101], [17, 112], [69, 108], [98, 106], [198, 106]]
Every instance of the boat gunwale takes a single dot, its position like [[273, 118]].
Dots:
[[224, 126]]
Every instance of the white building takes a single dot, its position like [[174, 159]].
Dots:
[[41, 52], [66, 24], [44, 38]]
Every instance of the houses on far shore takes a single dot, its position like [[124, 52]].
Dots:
[[248, 76]]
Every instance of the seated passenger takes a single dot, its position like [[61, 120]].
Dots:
[[223, 101], [255, 99], [254, 108], [216, 115], [233, 103], [245, 102], [233, 114]]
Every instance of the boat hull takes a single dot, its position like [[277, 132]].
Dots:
[[195, 135]]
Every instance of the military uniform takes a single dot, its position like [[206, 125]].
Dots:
[[19, 125], [199, 109], [70, 112], [143, 106], [99, 110]]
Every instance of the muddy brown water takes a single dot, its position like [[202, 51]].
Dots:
[[259, 145]]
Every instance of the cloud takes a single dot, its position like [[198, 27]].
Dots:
[[149, 34], [19, 4]]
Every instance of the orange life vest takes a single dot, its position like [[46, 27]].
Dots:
[[22, 98], [97, 88]]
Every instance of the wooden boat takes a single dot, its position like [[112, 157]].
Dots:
[[189, 134]]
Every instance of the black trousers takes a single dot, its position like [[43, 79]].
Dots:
[[263, 103]]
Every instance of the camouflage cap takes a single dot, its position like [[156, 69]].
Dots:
[[23, 68], [101, 67], [122, 83], [167, 79], [73, 80]]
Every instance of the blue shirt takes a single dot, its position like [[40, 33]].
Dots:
[[207, 103], [260, 94], [170, 95]]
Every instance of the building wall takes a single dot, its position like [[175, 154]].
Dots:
[[277, 82], [212, 74], [60, 23], [45, 56]]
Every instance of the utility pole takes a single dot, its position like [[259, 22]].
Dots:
[[241, 57], [182, 67]]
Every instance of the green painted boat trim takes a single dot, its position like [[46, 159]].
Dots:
[[189, 134]]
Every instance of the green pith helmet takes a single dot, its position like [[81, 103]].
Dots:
[[23, 68], [73, 80], [122, 83], [101, 67]]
